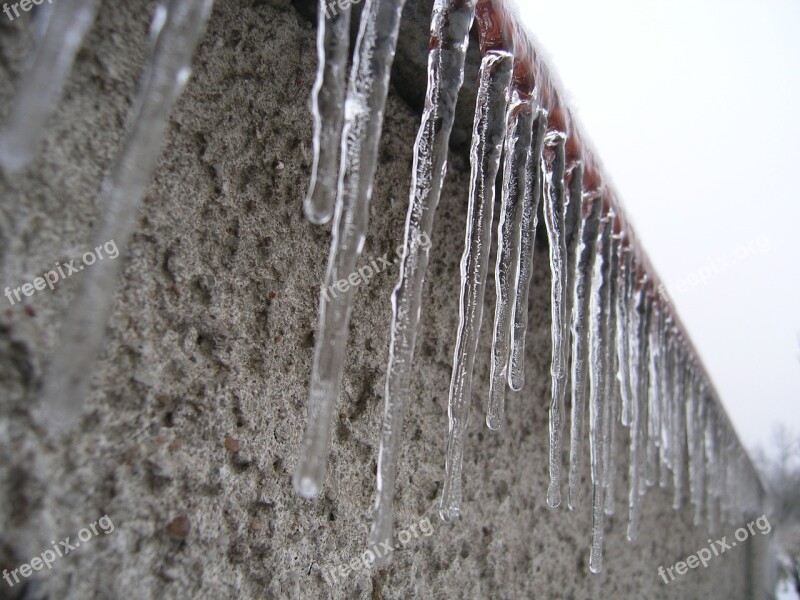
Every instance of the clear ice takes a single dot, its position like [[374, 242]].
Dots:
[[327, 109], [584, 272], [509, 241], [59, 31], [554, 218], [450, 27], [487, 142], [176, 29], [363, 120]]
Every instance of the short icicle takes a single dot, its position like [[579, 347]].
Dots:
[[327, 109], [530, 222], [176, 30], [363, 120], [450, 25], [509, 240], [623, 337], [487, 141]]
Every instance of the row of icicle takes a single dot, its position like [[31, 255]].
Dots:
[[614, 343]]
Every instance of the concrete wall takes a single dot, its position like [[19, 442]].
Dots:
[[199, 402]]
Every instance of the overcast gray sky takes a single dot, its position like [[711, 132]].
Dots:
[[693, 108]]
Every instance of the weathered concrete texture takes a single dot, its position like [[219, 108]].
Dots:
[[199, 401]]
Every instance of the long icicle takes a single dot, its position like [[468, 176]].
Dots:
[[487, 141], [653, 398], [327, 109], [599, 399], [665, 448], [692, 436], [612, 383], [712, 469], [41, 86], [584, 271], [681, 415], [530, 222], [573, 224], [700, 468], [450, 25], [509, 239], [554, 217], [722, 468], [644, 385], [176, 30], [637, 324], [363, 110]]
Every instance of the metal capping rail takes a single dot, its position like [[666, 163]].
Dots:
[[499, 30]]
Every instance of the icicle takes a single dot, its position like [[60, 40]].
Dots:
[[530, 221], [598, 399], [730, 475], [723, 443], [573, 222], [327, 109], [363, 119], [653, 398], [636, 334], [612, 383], [509, 239], [584, 270], [176, 31], [725, 450], [699, 450], [623, 335], [723, 453], [664, 448], [39, 24], [712, 470], [554, 217], [645, 478], [487, 141], [41, 86], [656, 387], [681, 416], [450, 25]]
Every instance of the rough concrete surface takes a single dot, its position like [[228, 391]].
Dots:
[[191, 432]]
